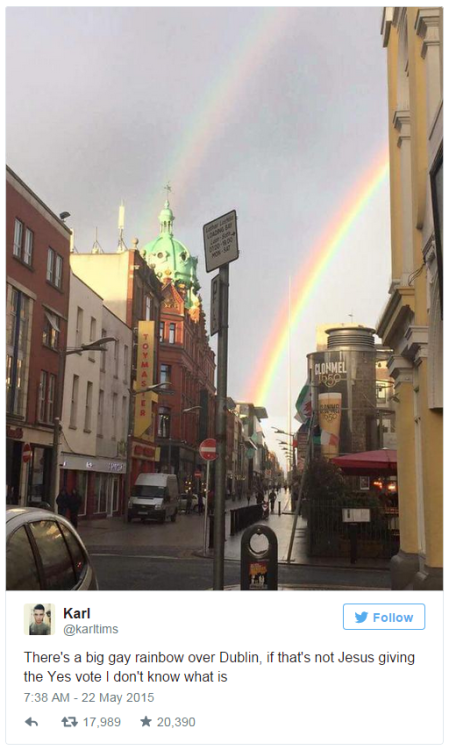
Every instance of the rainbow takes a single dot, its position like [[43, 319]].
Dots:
[[207, 122], [310, 274]]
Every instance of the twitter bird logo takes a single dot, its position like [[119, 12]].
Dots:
[[360, 618]]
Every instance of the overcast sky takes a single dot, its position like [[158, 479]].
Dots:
[[276, 113]]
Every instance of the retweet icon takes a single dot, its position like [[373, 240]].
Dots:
[[360, 618]]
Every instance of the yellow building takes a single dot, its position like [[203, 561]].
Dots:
[[411, 324]]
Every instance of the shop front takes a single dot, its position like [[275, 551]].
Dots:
[[28, 466], [99, 481]]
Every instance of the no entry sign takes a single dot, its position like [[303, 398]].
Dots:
[[26, 453], [208, 449]]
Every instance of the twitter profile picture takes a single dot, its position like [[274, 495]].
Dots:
[[39, 619], [359, 618]]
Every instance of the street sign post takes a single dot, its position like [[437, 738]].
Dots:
[[221, 248], [208, 451], [26, 453], [215, 305], [220, 241]]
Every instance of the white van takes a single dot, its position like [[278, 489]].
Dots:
[[154, 496]]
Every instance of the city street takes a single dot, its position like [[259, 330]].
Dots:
[[148, 556]]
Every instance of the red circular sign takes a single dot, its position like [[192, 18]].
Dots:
[[208, 449], [26, 453]]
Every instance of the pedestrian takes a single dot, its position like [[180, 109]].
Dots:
[[285, 488], [210, 503], [248, 497], [74, 504], [188, 503], [272, 498], [62, 501], [260, 496]]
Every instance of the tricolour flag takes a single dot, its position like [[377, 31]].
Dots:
[[327, 438], [304, 404]]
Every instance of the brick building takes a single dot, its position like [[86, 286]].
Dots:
[[37, 271], [186, 361]]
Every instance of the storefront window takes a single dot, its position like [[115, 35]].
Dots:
[[100, 493]]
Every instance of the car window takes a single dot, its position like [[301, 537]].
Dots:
[[21, 570], [77, 552], [55, 556]]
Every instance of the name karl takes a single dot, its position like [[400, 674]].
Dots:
[[76, 614]]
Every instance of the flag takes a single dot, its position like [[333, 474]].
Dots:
[[304, 404], [327, 438]]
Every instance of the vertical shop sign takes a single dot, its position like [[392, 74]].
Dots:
[[145, 367]]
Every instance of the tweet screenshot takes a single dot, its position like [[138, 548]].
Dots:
[[224, 377]]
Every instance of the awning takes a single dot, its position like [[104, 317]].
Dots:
[[370, 463]]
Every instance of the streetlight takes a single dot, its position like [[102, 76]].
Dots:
[[155, 388], [94, 346]]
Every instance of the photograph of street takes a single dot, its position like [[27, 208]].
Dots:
[[224, 299]]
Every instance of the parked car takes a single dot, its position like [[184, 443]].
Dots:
[[43, 551], [154, 497], [182, 504]]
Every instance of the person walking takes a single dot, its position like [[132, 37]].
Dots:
[[62, 502], [74, 504], [272, 498], [200, 503]]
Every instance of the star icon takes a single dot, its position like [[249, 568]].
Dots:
[[146, 721]]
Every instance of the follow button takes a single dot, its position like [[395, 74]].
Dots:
[[384, 616]]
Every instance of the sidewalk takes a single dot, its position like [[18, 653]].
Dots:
[[185, 538]]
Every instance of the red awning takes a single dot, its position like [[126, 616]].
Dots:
[[369, 463]]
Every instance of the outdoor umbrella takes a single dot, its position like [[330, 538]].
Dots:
[[370, 463]]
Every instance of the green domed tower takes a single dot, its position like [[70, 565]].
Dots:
[[171, 260]]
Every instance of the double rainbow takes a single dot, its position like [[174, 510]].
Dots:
[[309, 276]]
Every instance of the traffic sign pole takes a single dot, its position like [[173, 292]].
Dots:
[[220, 470], [206, 504]]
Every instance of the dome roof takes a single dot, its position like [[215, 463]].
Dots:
[[171, 259]]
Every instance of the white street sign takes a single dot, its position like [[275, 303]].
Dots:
[[215, 305], [220, 241], [358, 515]]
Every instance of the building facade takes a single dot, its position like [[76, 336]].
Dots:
[[95, 405], [411, 324], [186, 360], [37, 299], [132, 293]]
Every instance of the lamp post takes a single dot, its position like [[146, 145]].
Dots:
[[155, 388], [94, 346]]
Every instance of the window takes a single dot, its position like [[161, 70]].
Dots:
[[124, 420], [103, 354], [18, 319], [100, 493], [147, 307], [56, 561], [74, 402], [51, 330], [115, 359], [92, 337], [100, 414], [51, 397], [79, 327], [21, 571], [114, 416], [172, 334], [163, 428], [54, 268], [42, 397], [165, 374], [18, 236], [161, 331], [23, 243], [125, 363], [88, 410]]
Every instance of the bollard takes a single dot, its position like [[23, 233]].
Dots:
[[279, 507], [211, 531], [259, 570], [353, 543]]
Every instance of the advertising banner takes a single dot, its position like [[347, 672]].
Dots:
[[145, 367], [328, 372]]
